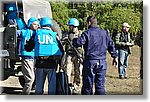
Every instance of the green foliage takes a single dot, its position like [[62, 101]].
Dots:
[[117, 16], [60, 14], [110, 14]]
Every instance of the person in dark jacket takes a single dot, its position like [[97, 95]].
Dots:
[[95, 42], [123, 42], [139, 42], [47, 53]]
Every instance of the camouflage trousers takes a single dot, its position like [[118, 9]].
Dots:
[[74, 70]]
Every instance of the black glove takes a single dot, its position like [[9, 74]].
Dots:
[[29, 46]]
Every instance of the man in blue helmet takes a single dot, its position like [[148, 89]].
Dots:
[[73, 62], [13, 20], [28, 57], [11, 13], [15, 17], [20, 19], [96, 42], [47, 53]]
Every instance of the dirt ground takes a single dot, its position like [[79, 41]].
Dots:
[[133, 85]]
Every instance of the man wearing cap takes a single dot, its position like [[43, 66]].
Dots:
[[123, 42]]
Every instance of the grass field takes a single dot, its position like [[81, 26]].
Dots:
[[133, 85]]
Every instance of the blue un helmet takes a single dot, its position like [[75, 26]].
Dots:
[[11, 7], [46, 21], [73, 21], [31, 20]]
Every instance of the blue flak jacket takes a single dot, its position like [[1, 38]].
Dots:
[[12, 15], [20, 23], [96, 42], [25, 36], [46, 43]]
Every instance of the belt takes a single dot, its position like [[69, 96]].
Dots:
[[49, 57], [43, 57]]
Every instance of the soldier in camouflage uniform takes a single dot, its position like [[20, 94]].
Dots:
[[73, 62]]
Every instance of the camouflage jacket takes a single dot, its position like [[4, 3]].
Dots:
[[68, 48]]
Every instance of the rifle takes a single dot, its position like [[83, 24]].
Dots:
[[79, 56]]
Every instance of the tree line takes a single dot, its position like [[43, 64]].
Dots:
[[110, 14]]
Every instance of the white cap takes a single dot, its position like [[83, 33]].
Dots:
[[126, 25]]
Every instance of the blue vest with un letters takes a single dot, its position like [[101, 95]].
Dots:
[[46, 43], [25, 36]]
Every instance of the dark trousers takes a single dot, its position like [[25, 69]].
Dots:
[[94, 72]]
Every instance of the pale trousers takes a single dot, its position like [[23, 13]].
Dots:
[[28, 71]]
